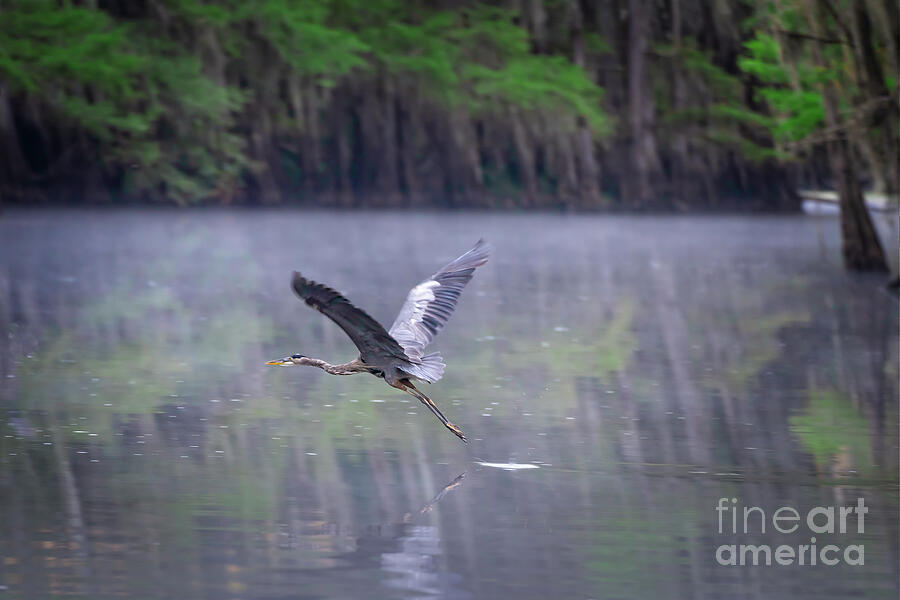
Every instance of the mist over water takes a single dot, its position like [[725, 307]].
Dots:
[[647, 366]]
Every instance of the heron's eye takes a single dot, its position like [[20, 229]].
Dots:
[[297, 356]]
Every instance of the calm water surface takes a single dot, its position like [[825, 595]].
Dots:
[[646, 366]]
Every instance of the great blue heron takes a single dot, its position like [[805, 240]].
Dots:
[[398, 356]]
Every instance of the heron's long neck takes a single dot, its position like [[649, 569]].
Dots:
[[354, 366]]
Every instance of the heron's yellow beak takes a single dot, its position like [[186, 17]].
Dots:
[[280, 362]]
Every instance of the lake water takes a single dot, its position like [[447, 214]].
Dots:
[[616, 376]]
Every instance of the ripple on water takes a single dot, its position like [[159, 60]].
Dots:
[[508, 466]]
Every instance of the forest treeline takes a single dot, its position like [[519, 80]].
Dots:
[[656, 104]]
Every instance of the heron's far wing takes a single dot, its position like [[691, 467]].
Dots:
[[368, 335], [430, 304]]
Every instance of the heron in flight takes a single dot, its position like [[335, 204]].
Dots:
[[398, 355]]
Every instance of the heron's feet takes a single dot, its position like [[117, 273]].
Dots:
[[457, 432]]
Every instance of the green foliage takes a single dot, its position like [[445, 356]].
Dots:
[[792, 96], [478, 58], [500, 71], [420, 53], [538, 83], [143, 100], [719, 116], [763, 60], [830, 427], [305, 42], [40, 41], [155, 100]]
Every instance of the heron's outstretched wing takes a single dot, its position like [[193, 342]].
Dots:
[[430, 304], [368, 335]]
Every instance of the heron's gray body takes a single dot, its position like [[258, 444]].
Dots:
[[429, 370]]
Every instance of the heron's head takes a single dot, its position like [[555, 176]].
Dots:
[[288, 361]]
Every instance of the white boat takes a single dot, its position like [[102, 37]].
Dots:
[[826, 202]]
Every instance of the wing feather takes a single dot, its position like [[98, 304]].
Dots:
[[430, 304], [367, 333]]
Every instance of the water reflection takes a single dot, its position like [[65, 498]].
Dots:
[[647, 366]]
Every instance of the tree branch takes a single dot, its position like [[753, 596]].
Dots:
[[806, 36]]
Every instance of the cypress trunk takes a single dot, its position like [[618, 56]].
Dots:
[[588, 169], [859, 240], [525, 161], [643, 152], [14, 170]]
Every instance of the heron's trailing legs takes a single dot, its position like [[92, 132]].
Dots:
[[407, 386]]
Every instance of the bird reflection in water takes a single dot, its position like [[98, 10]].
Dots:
[[457, 481], [414, 566]]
